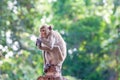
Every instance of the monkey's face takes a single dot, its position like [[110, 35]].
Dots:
[[43, 33]]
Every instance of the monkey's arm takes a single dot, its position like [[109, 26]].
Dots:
[[55, 49], [45, 48], [49, 42]]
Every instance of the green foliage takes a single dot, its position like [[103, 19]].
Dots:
[[90, 29]]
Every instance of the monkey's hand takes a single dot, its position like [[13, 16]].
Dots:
[[38, 42]]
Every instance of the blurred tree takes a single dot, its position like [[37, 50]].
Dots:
[[89, 28]]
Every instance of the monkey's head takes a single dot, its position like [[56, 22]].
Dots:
[[45, 31]]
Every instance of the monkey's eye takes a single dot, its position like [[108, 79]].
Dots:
[[42, 30]]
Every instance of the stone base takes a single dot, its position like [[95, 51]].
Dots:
[[52, 72], [50, 78]]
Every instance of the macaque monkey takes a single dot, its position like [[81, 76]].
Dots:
[[53, 47]]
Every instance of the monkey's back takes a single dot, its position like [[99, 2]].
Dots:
[[60, 42]]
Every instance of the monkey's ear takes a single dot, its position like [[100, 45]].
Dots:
[[50, 27]]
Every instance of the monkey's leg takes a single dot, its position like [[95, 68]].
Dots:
[[56, 49]]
